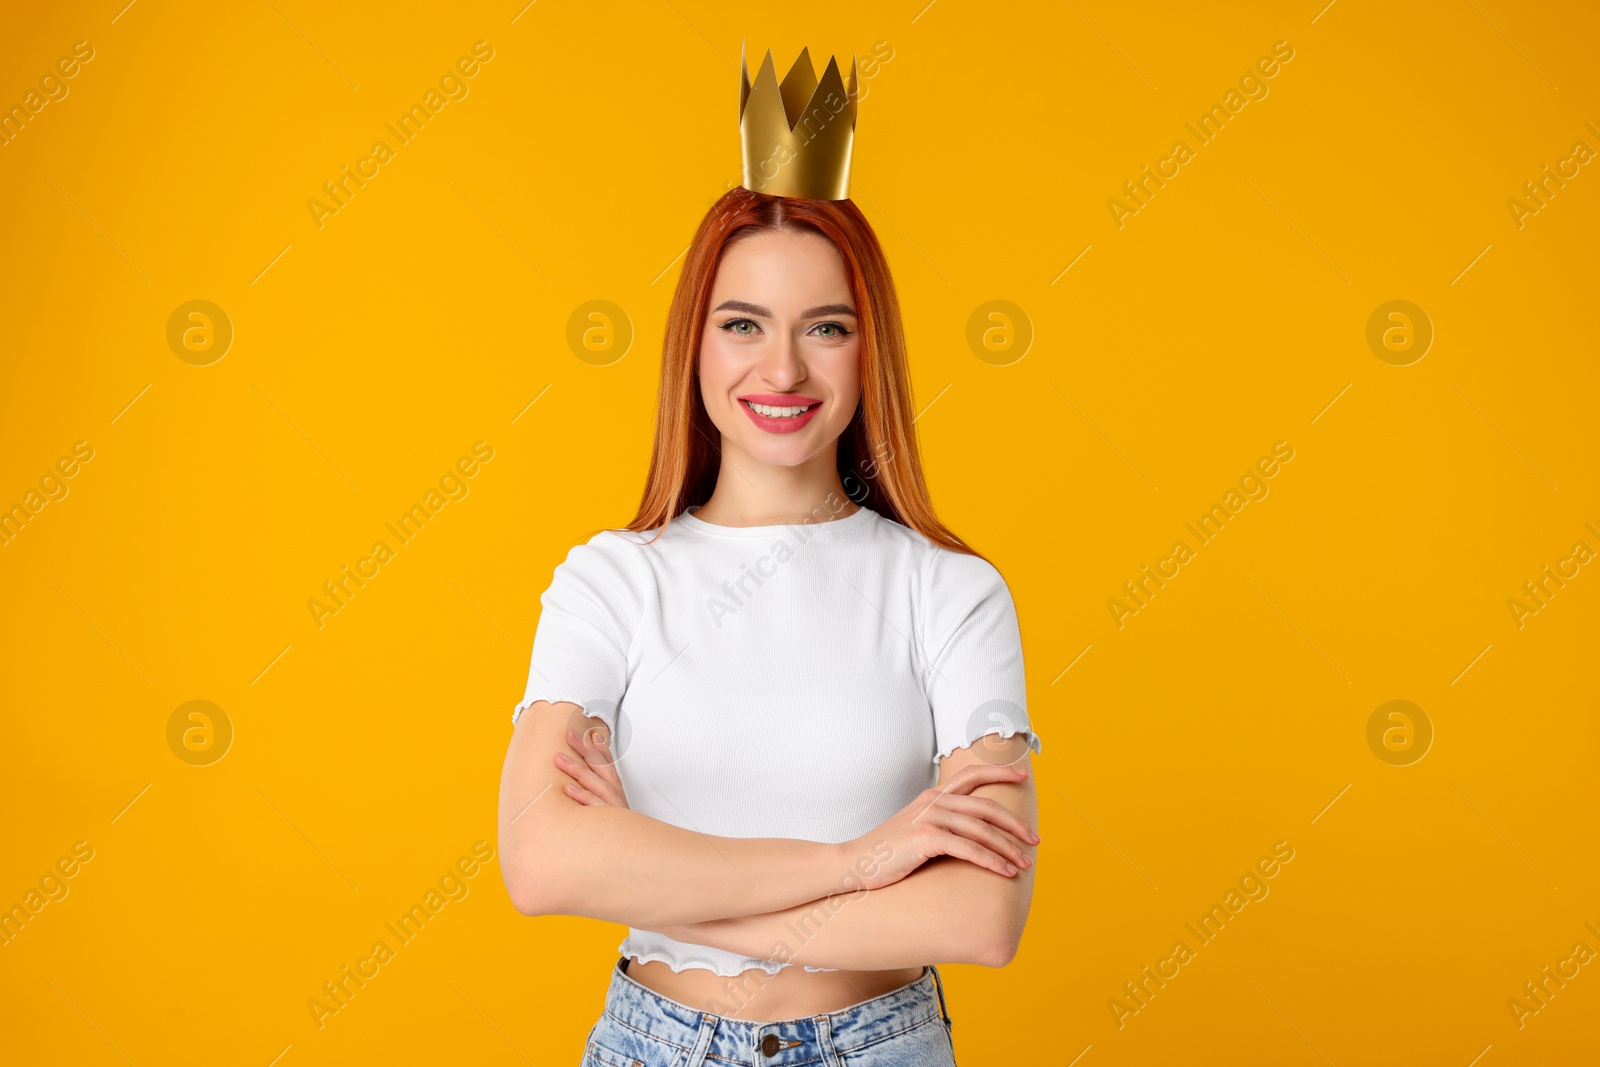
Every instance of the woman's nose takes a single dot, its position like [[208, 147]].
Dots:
[[781, 363]]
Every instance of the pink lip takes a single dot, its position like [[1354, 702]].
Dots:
[[780, 400], [789, 425]]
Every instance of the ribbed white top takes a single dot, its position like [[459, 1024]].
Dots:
[[778, 681]]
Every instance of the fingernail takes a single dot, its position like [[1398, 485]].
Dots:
[[1027, 862], [1010, 869], [562, 757]]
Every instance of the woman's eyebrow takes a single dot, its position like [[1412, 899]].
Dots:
[[757, 309]]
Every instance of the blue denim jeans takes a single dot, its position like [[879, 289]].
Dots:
[[905, 1027]]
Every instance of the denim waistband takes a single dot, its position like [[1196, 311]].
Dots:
[[716, 1039]]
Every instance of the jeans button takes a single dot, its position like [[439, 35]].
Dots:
[[769, 1045]]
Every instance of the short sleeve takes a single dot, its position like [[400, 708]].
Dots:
[[973, 650], [586, 622]]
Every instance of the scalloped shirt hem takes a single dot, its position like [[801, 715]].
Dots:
[[727, 965]]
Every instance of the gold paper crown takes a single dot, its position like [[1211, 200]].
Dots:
[[797, 137]]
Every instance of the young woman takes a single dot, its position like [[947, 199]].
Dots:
[[776, 725]]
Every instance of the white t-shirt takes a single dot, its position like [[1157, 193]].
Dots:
[[794, 681]]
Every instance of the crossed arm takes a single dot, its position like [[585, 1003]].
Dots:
[[946, 911], [566, 851]]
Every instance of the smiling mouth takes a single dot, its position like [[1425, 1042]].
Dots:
[[773, 411]]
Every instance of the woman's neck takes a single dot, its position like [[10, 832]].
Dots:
[[749, 493]]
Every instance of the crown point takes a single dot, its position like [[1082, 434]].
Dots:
[[797, 135]]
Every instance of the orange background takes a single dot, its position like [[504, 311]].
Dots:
[[370, 353]]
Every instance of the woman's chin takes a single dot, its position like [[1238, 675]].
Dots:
[[778, 457], [776, 449]]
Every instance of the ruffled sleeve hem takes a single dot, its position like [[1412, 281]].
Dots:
[[584, 703], [1004, 732]]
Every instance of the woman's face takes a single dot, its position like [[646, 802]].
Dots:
[[782, 334]]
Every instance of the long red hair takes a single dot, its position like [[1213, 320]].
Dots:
[[878, 460]]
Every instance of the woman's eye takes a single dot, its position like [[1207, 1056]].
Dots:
[[749, 328]]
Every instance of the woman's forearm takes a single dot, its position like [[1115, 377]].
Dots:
[[947, 911], [560, 857], [625, 867]]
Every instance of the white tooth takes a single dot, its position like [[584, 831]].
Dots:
[[776, 412]]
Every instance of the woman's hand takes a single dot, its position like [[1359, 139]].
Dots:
[[948, 822], [594, 778]]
